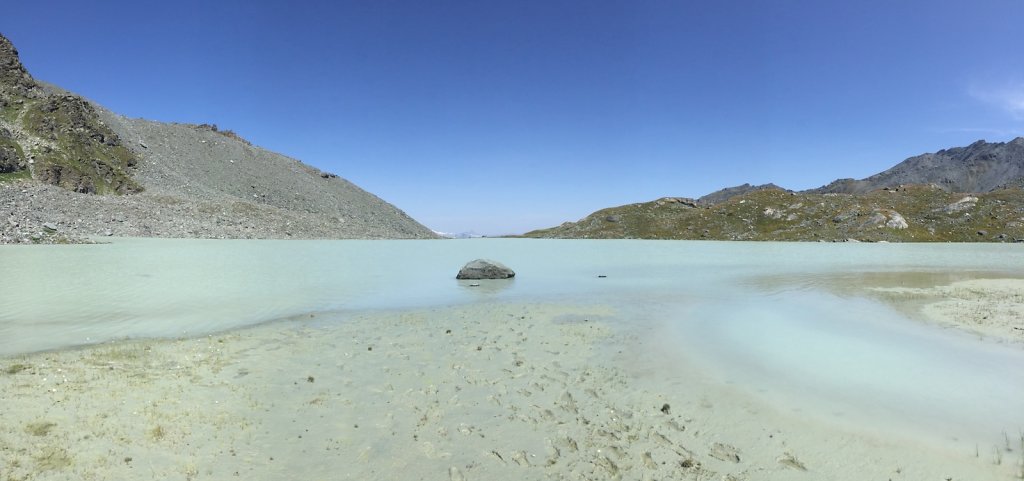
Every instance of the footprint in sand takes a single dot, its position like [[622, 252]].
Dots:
[[455, 474], [725, 452], [790, 461], [566, 401]]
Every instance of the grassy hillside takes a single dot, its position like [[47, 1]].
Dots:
[[79, 153], [57, 139], [904, 214]]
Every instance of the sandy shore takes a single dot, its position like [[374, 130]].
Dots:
[[993, 308], [480, 392]]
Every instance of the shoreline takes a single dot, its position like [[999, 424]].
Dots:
[[992, 308], [482, 391]]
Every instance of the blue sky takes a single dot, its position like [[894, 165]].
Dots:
[[504, 116]]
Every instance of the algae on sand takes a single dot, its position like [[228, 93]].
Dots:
[[40, 428]]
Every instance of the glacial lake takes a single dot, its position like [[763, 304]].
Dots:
[[768, 317]]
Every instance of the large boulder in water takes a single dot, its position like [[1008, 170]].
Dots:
[[485, 269]]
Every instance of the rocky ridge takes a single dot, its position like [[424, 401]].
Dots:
[[727, 193], [58, 151], [979, 167]]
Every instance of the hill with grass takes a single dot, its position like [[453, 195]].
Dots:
[[968, 194]]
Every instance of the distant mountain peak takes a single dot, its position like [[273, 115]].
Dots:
[[979, 167], [727, 193]]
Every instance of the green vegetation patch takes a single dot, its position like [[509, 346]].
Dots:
[[16, 368], [9, 111], [157, 433], [15, 176], [89, 157], [123, 353]]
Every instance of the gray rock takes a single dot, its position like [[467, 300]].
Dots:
[[876, 219], [10, 157], [968, 202], [485, 269], [50, 226], [895, 220], [845, 216]]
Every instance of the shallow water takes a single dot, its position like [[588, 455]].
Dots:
[[855, 362], [769, 317]]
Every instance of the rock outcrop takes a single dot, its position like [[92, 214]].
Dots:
[[485, 269], [63, 138], [13, 75], [12, 159]]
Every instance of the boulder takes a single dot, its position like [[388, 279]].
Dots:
[[896, 221], [485, 269], [966, 203]]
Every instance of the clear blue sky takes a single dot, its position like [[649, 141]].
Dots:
[[504, 116]]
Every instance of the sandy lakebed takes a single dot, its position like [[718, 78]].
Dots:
[[492, 389], [475, 392]]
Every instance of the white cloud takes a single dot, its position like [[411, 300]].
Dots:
[[1008, 97]]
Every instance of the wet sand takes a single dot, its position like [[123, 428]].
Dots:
[[992, 308], [481, 392]]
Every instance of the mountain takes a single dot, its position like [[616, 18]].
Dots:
[[70, 169], [963, 194], [730, 192], [979, 167], [460, 235]]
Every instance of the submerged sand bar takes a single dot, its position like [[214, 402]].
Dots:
[[507, 383]]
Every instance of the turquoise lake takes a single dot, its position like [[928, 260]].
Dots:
[[769, 317]]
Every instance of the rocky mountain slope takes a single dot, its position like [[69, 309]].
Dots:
[[70, 169], [979, 167], [968, 194]]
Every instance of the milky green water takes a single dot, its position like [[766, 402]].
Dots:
[[763, 316]]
